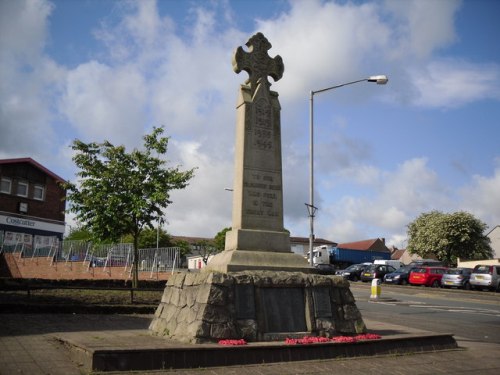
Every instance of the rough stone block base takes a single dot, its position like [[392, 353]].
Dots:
[[255, 306]]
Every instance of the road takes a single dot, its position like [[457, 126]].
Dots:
[[470, 315]]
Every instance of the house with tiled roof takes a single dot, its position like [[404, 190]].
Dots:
[[374, 244]]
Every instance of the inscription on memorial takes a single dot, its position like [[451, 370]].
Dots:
[[278, 303], [262, 192], [322, 305], [245, 301], [263, 130]]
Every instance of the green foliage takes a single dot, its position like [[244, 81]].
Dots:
[[448, 237], [148, 239], [220, 239], [120, 193], [184, 246], [206, 248], [79, 234]]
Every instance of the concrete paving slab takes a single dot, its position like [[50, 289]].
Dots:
[[135, 350], [19, 331]]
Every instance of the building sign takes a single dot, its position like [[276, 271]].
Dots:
[[31, 224]]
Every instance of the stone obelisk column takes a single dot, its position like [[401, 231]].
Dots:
[[258, 239]]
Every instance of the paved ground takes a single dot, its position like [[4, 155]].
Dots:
[[28, 345]]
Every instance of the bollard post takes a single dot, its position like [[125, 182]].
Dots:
[[375, 289]]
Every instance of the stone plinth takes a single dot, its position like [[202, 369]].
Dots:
[[255, 306]]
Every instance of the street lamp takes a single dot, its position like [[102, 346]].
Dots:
[[379, 80]]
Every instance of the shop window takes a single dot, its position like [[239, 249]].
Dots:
[[22, 189], [6, 185], [39, 192]]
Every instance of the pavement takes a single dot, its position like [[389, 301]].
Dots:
[[38, 344]]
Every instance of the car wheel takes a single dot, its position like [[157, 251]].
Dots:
[[467, 286], [403, 282], [435, 284], [355, 278]]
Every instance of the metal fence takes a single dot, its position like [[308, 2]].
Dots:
[[103, 256]]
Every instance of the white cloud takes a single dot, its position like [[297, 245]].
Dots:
[[482, 197], [204, 207], [387, 205], [323, 41], [450, 83], [29, 79], [106, 103], [420, 27]]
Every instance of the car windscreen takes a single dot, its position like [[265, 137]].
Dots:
[[419, 270], [453, 272], [481, 269], [354, 267]]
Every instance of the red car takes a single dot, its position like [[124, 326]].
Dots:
[[428, 276]]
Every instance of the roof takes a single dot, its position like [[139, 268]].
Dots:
[[35, 164], [397, 254], [191, 240], [363, 245], [358, 245], [305, 240]]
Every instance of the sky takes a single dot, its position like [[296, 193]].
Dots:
[[98, 70]]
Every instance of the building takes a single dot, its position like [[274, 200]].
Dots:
[[300, 245], [32, 206], [374, 244]]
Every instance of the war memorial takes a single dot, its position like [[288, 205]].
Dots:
[[257, 289]]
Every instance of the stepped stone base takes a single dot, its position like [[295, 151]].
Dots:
[[240, 260], [255, 306]]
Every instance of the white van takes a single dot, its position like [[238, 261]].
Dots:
[[395, 263]]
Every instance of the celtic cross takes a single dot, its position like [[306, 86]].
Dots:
[[257, 62]]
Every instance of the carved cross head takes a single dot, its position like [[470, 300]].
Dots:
[[257, 62]]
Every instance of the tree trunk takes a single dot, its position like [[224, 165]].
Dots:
[[135, 266]]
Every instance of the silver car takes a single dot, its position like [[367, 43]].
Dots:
[[485, 276], [456, 278]]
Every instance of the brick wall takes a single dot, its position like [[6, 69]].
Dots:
[[41, 268]]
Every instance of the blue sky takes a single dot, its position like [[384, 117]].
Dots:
[[429, 139]]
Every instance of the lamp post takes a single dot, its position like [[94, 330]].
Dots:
[[379, 80]]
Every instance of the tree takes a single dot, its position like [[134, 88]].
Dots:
[[185, 247], [220, 239], [149, 237], [122, 193], [205, 248], [448, 237], [78, 234]]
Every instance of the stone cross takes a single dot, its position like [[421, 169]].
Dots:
[[257, 62], [257, 239]]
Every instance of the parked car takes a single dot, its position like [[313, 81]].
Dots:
[[353, 272], [428, 276], [376, 271], [485, 276], [456, 278], [325, 269], [400, 276], [427, 262]]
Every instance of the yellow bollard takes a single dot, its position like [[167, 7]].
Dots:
[[376, 289]]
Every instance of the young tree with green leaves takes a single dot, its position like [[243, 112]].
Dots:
[[122, 193], [448, 237], [149, 237]]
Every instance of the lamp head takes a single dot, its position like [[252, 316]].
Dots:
[[380, 79]]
